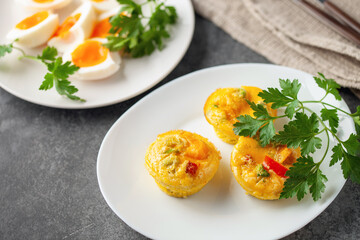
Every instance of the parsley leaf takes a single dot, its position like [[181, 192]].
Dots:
[[357, 113], [351, 167], [132, 35], [267, 132], [274, 96], [357, 124], [301, 132], [286, 97], [48, 82], [329, 85], [331, 116], [305, 176], [248, 126], [5, 48], [290, 88], [48, 54], [259, 110], [337, 154], [350, 164], [317, 181], [297, 183], [291, 108], [352, 145], [58, 74]]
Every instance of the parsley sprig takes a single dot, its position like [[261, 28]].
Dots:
[[58, 71], [303, 131], [136, 34]]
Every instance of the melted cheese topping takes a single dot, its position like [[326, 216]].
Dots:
[[247, 155], [169, 157]]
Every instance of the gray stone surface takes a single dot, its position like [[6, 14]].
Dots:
[[48, 184]]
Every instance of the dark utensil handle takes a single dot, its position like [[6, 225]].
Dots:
[[328, 20], [343, 16]]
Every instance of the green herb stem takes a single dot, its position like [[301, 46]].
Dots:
[[327, 104], [30, 57], [24, 55], [20, 50], [323, 97]]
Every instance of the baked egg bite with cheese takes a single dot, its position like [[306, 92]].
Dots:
[[181, 162], [94, 60], [226, 104], [44, 4], [75, 29], [34, 30], [261, 170]]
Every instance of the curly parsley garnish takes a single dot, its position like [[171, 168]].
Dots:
[[137, 34], [303, 131], [58, 72]]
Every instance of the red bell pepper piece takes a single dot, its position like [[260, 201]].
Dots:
[[191, 168], [271, 164]]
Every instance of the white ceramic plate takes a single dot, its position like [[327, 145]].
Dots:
[[23, 78], [221, 210]]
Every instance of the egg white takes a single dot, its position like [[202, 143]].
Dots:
[[109, 13], [36, 35], [104, 6], [32, 5], [100, 71], [81, 30]]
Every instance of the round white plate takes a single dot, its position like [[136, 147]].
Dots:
[[23, 78], [221, 210]]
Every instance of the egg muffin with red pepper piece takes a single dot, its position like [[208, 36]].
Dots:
[[226, 104], [181, 162], [261, 170]]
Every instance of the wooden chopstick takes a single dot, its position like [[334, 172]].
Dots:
[[341, 15], [330, 21]]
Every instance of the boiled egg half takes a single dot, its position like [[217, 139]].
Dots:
[[75, 29], [44, 4], [103, 26], [94, 60], [35, 30], [103, 5]]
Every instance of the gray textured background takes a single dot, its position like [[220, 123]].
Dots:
[[48, 184]]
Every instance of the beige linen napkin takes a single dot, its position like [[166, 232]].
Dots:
[[285, 34]]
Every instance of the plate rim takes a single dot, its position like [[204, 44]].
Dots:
[[169, 84]]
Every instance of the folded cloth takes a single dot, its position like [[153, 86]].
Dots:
[[287, 35]]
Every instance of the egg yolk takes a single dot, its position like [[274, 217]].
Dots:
[[43, 1], [89, 53], [97, 0], [102, 28], [64, 28], [32, 21]]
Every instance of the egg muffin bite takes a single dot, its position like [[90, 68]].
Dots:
[[181, 162], [261, 170], [226, 104]]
